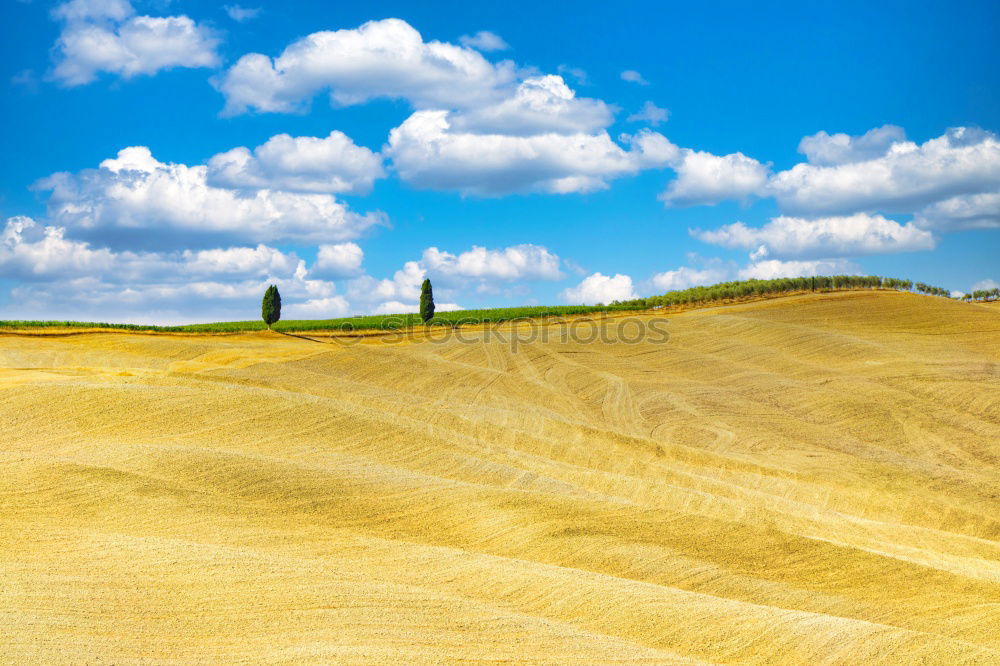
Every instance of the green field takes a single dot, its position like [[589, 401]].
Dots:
[[724, 291], [346, 324]]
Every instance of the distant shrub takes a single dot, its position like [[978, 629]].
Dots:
[[756, 288], [984, 295], [932, 290]]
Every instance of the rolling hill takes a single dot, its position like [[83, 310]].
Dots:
[[809, 479]]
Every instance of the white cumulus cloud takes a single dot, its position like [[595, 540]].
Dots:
[[135, 198], [70, 279], [339, 260], [239, 262], [67, 278], [30, 251], [770, 269], [706, 179], [158, 301], [106, 36], [478, 127], [518, 262], [380, 59], [539, 104], [687, 276], [428, 153], [403, 286], [330, 307], [823, 237], [480, 269], [600, 288], [397, 307], [300, 164], [831, 149], [967, 211], [907, 177]]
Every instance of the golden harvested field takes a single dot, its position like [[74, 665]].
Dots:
[[812, 479]]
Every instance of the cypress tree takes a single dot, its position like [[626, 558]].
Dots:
[[426, 301], [270, 308]]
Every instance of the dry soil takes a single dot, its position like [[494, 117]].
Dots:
[[813, 479]]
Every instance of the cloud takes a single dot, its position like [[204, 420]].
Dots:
[[576, 73], [67, 278], [29, 251], [832, 236], [518, 262], [478, 128], [649, 113], [239, 262], [395, 307], [484, 40], [540, 138], [633, 76], [831, 149], [134, 199], [404, 285], [984, 285], [26, 79], [336, 261], [396, 295], [969, 211], [771, 269], [158, 301], [380, 59], [600, 288], [478, 268], [93, 10], [242, 14], [105, 36], [706, 179], [714, 271], [539, 104], [906, 178], [949, 183], [300, 164], [686, 276], [70, 279], [428, 153], [330, 307]]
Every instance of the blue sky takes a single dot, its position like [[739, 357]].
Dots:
[[514, 153]]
